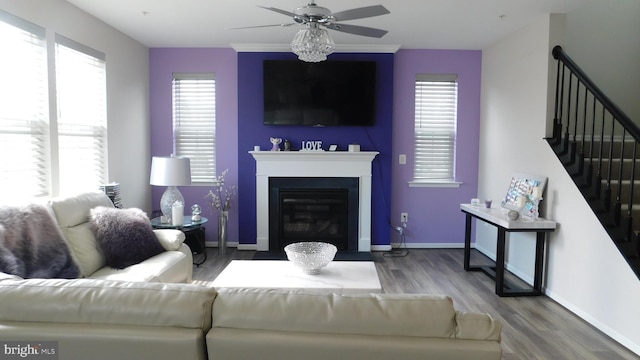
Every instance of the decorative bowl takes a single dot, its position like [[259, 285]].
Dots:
[[310, 256]]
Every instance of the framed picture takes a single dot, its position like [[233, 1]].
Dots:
[[524, 194]]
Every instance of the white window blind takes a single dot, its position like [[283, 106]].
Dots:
[[435, 127], [24, 128], [194, 123], [82, 116]]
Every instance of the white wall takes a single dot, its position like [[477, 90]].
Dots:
[[584, 270], [127, 88], [603, 39]]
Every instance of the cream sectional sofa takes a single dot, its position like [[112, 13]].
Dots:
[[102, 319], [72, 216], [145, 312]]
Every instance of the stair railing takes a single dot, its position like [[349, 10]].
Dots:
[[585, 119]]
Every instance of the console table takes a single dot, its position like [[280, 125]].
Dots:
[[498, 218]]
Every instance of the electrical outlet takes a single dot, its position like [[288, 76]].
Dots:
[[402, 159], [404, 217]]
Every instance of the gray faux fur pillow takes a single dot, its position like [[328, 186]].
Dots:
[[125, 236], [31, 245]]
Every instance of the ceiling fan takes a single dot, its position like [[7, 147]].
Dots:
[[313, 43]]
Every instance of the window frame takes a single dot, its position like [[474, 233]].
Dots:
[[33, 123], [194, 135], [87, 121], [449, 125]]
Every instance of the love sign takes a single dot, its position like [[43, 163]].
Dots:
[[313, 145]]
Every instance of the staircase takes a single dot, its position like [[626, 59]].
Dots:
[[598, 145]]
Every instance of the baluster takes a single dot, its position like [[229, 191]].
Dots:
[[574, 141], [561, 100], [589, 171], [617, 207], [584, 131], [607, 190], [598, 179], [629, 222], [565, 148], [557, 112]]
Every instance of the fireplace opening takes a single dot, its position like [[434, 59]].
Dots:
[[313, 209]]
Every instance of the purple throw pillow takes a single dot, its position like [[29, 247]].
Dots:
[[125, 236]]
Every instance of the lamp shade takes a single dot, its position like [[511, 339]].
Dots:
[[170, 171]]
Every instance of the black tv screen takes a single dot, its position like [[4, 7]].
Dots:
[[328, 93]]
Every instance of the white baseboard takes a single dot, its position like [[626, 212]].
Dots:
[[214, 244], [253, 247], [626, 342], [429, 245], [249, 247]]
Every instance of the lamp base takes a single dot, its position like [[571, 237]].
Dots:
[[169, 197]]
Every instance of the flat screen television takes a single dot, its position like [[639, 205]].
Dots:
[[328, 93]]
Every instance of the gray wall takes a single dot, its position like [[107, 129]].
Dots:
[[127, 88], [603, 38]]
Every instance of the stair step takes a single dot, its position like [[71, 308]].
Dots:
[[628, 147], [624, 195], [615, 163]]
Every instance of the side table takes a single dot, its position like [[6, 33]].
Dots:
[[193, 231]]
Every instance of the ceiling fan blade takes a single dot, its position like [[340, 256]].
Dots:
[[359, 13], [261, 26], [280, 11], [357, 30]]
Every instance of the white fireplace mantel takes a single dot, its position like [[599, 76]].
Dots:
[[313, 164]]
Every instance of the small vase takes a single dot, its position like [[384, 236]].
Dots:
[[222, 233]]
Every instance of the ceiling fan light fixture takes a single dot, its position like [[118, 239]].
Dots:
[[312, 44]]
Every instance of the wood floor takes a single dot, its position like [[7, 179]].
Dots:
[[533, 327]]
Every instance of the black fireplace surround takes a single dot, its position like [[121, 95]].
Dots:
[[313, 209]]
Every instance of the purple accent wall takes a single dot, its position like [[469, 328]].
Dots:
[[163, 62], [254, 132], [434, 213]]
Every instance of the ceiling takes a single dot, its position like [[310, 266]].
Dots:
[[412, 24]]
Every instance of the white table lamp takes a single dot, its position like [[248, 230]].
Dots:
[[170, 172]]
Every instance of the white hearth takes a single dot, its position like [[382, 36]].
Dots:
[[313, 164]]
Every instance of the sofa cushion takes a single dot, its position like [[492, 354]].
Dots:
[[91, 301], [72, 216], [365, 314], [125, 236]]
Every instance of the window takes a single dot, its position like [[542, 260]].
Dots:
[[82, 116], [51, 142], [194, 123], [24, 127], [436, 106]]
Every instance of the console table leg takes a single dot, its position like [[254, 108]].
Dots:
[[500, 262], [537, 280], [467, 243]]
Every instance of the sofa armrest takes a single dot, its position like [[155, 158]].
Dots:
[[477, 326], [170, 239], [5, 276], [93, 301]]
